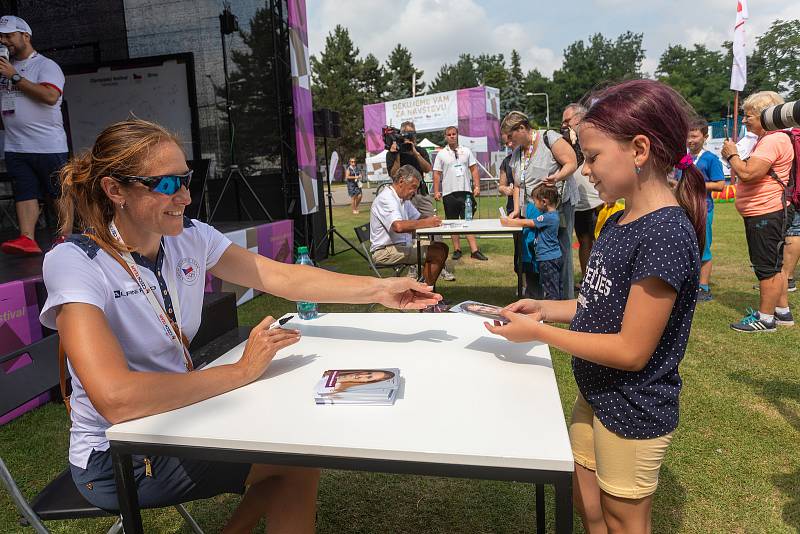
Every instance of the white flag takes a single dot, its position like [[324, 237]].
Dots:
[[739, 70]]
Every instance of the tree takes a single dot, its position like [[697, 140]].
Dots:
[[373, 80], [335, 86], [596, 61], [512, 96], [701, 75], [776, 60], [401, 70], [459, 76], [535, 106], [491, 70]]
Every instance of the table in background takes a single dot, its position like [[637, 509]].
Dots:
[[471, 405], [475, 227]]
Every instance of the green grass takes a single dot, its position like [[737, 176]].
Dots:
[[734, 465]]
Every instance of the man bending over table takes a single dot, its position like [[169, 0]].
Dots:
[[393, 220]]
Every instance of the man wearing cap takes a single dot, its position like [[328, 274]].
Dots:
[[31, 86]]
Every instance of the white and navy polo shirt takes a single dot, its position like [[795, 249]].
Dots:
[[79, 271]]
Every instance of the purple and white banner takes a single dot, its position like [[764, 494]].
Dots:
[[476, 112], [303, 111]]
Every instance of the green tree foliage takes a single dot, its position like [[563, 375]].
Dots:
[[336, 84], [400, 69], [701, 75], [373, 80], [595, 62], [776, 60], [535, 105], [491, 70], [512, 96], [458, 76]]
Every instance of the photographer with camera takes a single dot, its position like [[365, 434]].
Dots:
[[35, 141], [762, 202], [402, 147]]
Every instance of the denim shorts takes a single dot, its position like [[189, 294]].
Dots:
[[794, 223], [35, 175], [171, 480]]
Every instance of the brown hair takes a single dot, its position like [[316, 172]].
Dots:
[[699, 124], [548, 193], [513, 120], [121, 148]]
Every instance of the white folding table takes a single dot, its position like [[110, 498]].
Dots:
[[475, 227], [471, 405]]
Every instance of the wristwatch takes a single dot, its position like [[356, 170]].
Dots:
[[16, 78]]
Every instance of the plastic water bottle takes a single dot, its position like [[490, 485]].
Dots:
[[306, 310], [468, 208]]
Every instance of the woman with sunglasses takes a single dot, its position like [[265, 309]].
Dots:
[[126, 298]]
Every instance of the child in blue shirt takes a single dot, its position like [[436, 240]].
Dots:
[[711, 167], [542, 225]]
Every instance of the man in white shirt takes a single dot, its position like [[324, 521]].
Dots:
[[455, 177], [31, 86], [393, 219]]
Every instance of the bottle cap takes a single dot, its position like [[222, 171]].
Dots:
[[302, 250]]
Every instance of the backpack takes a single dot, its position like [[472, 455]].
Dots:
[[792, 187]]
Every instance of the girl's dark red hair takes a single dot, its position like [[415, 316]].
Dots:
[[655, 110]]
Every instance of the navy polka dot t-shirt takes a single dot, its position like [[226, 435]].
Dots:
[[641, 404]]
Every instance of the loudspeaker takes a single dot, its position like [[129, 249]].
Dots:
[[327, 123]]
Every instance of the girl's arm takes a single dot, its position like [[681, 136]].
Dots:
[[647, 312], [552, 311], [522, 223], [564, 154]]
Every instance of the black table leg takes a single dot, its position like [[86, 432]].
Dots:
[[564, 504], [540, 512], [126, 493], [518, 242], [419, 258]]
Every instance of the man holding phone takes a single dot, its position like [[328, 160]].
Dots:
[[31, 86]]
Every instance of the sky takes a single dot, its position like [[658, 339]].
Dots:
[[437, 31]]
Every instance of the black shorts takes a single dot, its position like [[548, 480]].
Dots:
[[35, 175], [454, 204], [585, 221], [173, 481], [764, 235]]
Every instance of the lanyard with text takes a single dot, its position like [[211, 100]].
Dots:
[[172, 331]]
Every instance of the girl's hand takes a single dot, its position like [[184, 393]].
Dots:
[[504, 221], [534, 308], [519, 329]]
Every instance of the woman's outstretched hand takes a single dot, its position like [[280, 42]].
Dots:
[[405, 293]]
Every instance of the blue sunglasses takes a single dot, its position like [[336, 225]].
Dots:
[[167, 184]]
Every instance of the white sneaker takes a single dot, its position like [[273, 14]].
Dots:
[[447, 275], [412, 272]]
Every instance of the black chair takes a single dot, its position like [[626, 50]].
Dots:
[[362, 233], [60, 499]]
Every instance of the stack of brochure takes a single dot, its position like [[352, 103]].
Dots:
[[376, 387]]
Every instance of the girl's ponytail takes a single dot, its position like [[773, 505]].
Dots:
[[691, 195]]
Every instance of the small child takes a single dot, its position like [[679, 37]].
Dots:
[[543, 221]]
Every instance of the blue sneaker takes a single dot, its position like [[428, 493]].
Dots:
[[704, 296], [752, 324], [784, 319]]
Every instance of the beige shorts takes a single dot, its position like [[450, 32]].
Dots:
[[625, 467], [398, 254]]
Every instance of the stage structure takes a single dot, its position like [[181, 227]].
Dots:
[[475, 111]]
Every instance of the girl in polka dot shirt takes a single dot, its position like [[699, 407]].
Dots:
[[629, 326]]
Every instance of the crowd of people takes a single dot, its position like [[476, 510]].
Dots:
[[644, 266]]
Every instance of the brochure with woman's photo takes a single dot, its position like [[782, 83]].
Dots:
[[487, 311], [358, 386]]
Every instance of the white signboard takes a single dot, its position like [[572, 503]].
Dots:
[[427, 112]]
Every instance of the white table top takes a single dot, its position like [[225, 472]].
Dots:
[[468, 398], [475, 226]]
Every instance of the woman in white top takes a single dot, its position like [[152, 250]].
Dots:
[[123, 298]]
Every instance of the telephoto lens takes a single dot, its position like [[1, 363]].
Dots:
[[781, 116]]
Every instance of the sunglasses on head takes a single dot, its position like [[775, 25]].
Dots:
[[166, 184]]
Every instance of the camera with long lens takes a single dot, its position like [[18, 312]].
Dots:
[[781, 116], [393, 135]]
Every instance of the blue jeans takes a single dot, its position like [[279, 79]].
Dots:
[[567, 211], [550, 278]]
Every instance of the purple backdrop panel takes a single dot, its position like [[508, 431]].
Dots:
[[304, 129], [374, 121], [472, 117], [297, 17], [19, 326], [275, 240]]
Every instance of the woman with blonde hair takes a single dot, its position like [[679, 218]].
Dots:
[[126, 299], [761, 201]]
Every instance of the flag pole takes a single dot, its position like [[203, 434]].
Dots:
[[735, 136]]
